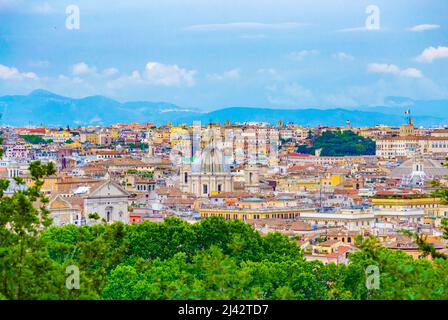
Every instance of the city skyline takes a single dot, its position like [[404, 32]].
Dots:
[[238, 152]]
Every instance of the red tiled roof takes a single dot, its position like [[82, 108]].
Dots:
[[341, 251], [299, 155]]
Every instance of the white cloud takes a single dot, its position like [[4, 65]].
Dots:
[[383, 68], [393, 69], [95, 119], [233, 74], [291, 95], [370, 94], [61, 77], [270, 74], [360, 29], [82, 68], [424, 27], [110, 72], [300, 55], [9, 4], [39, 64], [83, 79], [43, 8], [244, 26], [10, 73], [169, 75], [133, 79], [430, 54], [135, 75], [342, 56], [78, 80], [338, 100], [375, 92], [254, 36], [412, 73]]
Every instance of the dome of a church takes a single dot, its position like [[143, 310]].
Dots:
[[429, 167], [209, 173], [212, 160]]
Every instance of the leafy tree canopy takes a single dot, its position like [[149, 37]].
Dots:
[[34, 139], [340, 143]]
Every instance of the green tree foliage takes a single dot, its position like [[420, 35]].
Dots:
[[142, 173], [211, 259], [441, 192], [213, 275], [27, 271], [219, 259], [140, 145], [420, 239], [401, 276], [95, 250], [34, 139], [341, 143]]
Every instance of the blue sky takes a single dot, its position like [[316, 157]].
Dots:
[[212, 54]]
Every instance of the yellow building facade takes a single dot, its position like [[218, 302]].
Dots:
[[297, 184], [248, 214]]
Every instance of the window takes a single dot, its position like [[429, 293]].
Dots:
[[186, 177], [219, 187], [204, 189], [109, 214]]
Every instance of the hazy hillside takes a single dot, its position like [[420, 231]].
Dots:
[[398, 105], [43, 107], [314, 117]]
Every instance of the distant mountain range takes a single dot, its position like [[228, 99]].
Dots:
[[44, 107], [398, 105]]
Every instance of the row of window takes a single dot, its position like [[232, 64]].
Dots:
[[439, 145], [433, 205], [254, 216], [205, 188], [362, 223], [145, 187]]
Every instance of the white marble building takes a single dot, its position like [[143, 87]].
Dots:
[[208, 174]]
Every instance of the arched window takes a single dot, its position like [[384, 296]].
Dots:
[[109, 214]]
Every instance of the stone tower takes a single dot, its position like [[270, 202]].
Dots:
[[252, 179]]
